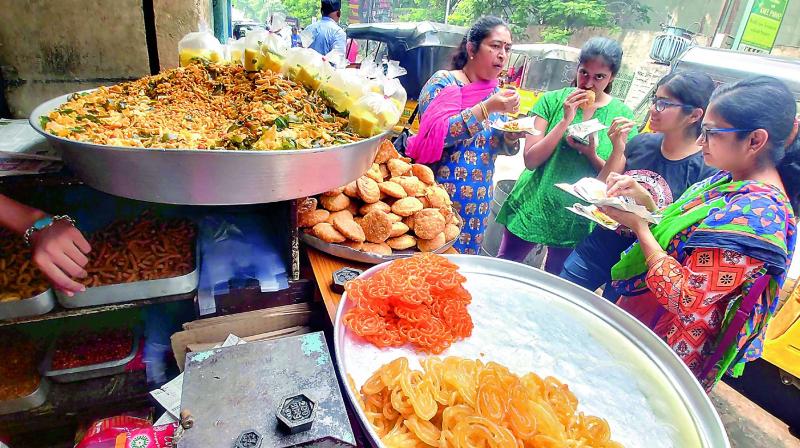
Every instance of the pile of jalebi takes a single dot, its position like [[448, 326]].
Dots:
[[462, 403], [419, 300]]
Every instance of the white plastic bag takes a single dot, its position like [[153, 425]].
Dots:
[[235, 51], [374, 113], [200, 46], [343, 88], [307, 67]]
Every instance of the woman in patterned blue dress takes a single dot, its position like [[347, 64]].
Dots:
[[455, 137]]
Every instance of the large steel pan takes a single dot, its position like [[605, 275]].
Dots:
[[210, 177]]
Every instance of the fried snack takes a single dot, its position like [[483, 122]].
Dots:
[[368, 190], [603, 218], [382, 249], [511, 126], [347, 227], [352, 209], [312, 218], [451, 232], [326, 232], [202, 107], [334, 203], [398, 167], [590, 99], [411, 184], [406, 206], [19, 276], [398, 228], [456, 402], [448, 213], [394, 218], [374, 173], [380, 206], [334, 192], [145, 248], [428, 223], [409, 221], [402, 242], [423, 173], [384, 171], [20, 367], [432, 244], [342, 213], [386, 152], [392, 189], [419, 300], [438, 197], [305, 205], [377, 226], [355, 245], [351, 189]]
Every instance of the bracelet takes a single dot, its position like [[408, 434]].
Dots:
[[484, 110], [653, 255], [44, 223]]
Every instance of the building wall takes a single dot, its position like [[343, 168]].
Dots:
[[173, 21]]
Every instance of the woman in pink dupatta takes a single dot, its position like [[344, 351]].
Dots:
[[455, 137]]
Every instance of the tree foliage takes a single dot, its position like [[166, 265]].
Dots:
[[304, 10]]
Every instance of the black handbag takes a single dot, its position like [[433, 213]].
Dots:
[[401, 140]]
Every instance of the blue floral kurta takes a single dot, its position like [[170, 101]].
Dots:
[[467, 164]]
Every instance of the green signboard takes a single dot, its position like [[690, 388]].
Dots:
[[763, 24]]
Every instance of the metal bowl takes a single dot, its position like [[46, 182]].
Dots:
[[210, 177]]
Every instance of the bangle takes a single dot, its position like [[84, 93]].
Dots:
[[654, 255], [44, 223], [484, 110]]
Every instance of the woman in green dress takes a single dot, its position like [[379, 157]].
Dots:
[[535, 212]]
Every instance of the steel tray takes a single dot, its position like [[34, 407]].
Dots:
[[530, 320], [34, 400], [129, 292], [210, 177], [86, 372], [33, 306]]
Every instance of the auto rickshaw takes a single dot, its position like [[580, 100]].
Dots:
[[782, 342], [422, 48], [537, 68]]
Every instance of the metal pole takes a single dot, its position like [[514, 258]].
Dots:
[[742, 24], [447, 11]]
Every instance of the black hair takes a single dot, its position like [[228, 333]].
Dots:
[[691, 88], [479, 31], [765, 103], [330, 6], [608, 50]]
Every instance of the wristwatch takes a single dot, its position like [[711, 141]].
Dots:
[[44, 223]]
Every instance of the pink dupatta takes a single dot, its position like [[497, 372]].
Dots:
[[427, 145]]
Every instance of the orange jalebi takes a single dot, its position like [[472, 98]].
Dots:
[[462, 403], [419, 300]]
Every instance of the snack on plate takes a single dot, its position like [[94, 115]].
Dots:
[[143, 249], [202, 106], [19, 276], [19, 375], [420, 300], [512, 126], [394, 202], [457, 402], [85, 348], [603, 218], [590, 99]]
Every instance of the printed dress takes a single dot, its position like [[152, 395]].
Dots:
[[467, 163]]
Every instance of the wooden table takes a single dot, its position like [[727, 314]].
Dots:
[[324, 266]]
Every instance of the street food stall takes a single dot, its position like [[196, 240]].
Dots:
[[538, 68], [196, 187]]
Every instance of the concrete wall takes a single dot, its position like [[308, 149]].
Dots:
[[174, 19]]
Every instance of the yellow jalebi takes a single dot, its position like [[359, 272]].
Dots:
[[462, 403]]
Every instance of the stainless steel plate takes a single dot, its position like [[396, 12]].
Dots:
[[210, 177], [86, 372], [34, 306], [129, 292], [344, 252], [34, 400], [529, 320]]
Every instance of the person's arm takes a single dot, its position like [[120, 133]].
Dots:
[[699, 282], [340, 42], [59, 250], [539, 148]]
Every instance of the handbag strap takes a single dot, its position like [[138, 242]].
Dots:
[[738, 321]]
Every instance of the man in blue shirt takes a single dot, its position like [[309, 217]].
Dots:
[[326, 33]]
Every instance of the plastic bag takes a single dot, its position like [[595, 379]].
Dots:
[[307, 67], [235, 50], [343, 89], [374, 113], [253, 59], [200, 46]]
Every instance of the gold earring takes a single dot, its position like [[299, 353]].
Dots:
[[472, 57]]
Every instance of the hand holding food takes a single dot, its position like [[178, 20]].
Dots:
[[627, 219], [620, 185], [572, 103], [590, 99], [505, 101], [59, 251], [583, 149]]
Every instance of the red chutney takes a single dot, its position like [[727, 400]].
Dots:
[[91, 347]]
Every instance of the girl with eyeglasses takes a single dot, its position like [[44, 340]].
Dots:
[[707, 277], [665, 163]]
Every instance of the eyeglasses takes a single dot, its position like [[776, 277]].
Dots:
[[706, 132], [661, 104]]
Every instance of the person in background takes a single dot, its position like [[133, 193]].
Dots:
[[706, 279], [535, 211], [59, 249], [665, 162], [456, 108], [326, 34], [296, 42]]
